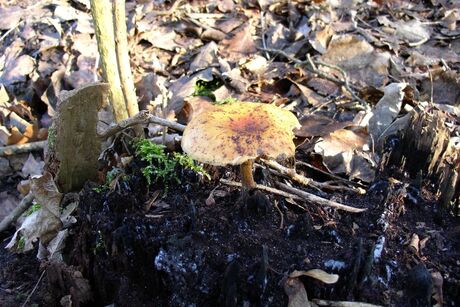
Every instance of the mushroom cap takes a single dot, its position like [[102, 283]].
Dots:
[[237, 132]]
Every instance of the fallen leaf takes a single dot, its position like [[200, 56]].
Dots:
[[446, 87], [342, 153], [239, 46], [359, 59], [46, 193], [317, 125], [32, 167], [8, 202], [17, 70], [10, 17], [41, 224], [204, 58]]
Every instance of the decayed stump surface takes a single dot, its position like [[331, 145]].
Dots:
[[429, 148], [74, 146]]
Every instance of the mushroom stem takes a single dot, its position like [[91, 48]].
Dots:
[[247, 179]]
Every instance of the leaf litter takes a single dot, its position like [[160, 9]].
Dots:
[[265, 51]]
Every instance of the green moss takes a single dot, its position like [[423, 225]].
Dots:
[[226, 100], [32, 209], [21, 243], [51, 136], [206, 88], [161, 166]]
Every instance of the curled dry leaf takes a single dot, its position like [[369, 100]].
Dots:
[[342, 153], [46, 193], [317, 274], [386, 110], [32, 167]]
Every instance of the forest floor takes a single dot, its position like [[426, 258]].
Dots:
[[192, 241]]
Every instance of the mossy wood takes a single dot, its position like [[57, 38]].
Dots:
[[74, 144]]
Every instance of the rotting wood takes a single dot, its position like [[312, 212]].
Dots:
[[426, 146], [74, 146]]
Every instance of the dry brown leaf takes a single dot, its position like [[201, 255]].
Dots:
[[240, 45], [446, 87], [317, 125], [17, 69], [342, 153], [32, 167], [10, 17], [192, 107], [359, 59], [8, 202], [321, 39], [204, 58]]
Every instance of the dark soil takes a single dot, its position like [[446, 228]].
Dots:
[[180, 251]]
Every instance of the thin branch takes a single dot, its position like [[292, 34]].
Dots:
[[16, 213], [291, 173], [143, 118], [10, 30], [318, 200], [299, 195], [262, 188], [335, 177], [22, 148], [34, 289]]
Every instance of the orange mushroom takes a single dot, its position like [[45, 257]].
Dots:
[[238, 133]]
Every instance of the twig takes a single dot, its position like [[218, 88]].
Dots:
[[34, 289], [297, 194], [10, 30], [142, 117], [262, 25], [263, 188], [318, 200], [16, 213], [311, 65], [335, 177], [291, 173], [22, 148], [342, 303], [275, 203]]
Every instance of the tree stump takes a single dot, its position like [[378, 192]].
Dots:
[[428, 146]]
